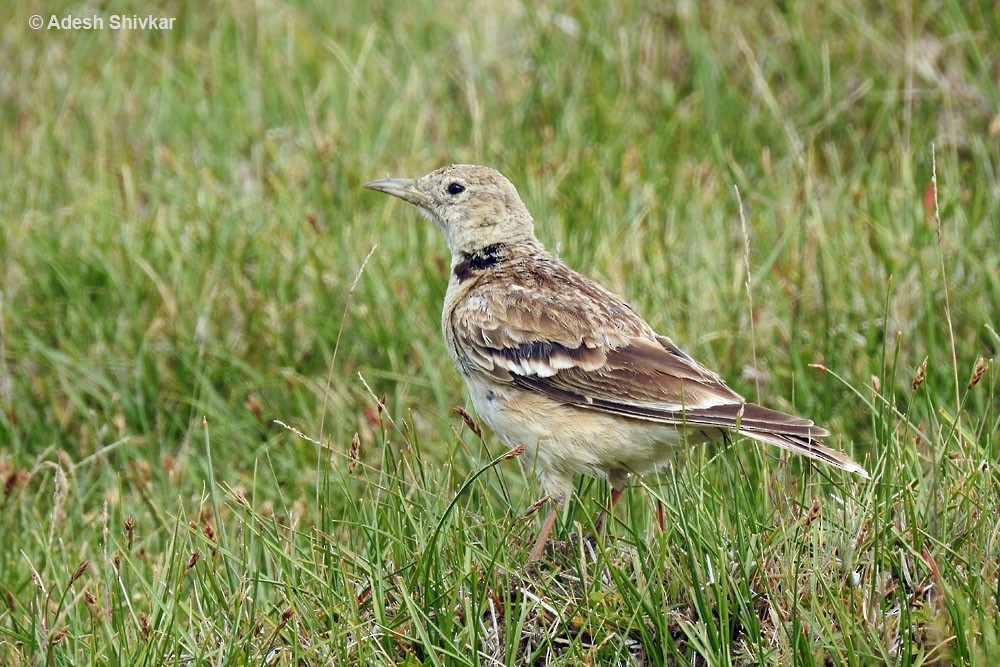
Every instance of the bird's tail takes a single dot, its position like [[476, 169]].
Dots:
[[810, 447], [794, 434]]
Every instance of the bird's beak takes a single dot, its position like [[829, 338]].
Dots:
[[404, 188]]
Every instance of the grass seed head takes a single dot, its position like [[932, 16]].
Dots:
[[469, 421], [978, 371], [81, 569], [353, 455], [129, 531], [920, 375], [145, 627], [90, 599]]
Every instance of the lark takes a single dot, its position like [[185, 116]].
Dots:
[[557, 363]]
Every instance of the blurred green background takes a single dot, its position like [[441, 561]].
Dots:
[[183, 218]]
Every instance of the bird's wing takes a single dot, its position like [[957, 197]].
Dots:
[[551, 330], [586, 347]]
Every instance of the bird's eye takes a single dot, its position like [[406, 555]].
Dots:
[[455, 188]]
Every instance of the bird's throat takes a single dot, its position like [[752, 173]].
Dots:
[[472, 263]]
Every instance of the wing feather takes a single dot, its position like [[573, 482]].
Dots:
[[593, 350]]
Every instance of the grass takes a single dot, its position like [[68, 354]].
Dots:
[[183, 231]]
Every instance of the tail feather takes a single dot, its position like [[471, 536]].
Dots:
[[810, 447], [795, 434]]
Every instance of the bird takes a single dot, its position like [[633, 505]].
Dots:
[[560, 365]]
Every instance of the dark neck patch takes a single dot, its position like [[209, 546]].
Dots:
[[480, 260]]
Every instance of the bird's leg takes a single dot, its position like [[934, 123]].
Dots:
[[543, 535], [616, 493]]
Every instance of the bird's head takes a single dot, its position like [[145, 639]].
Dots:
[[474, 206]]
